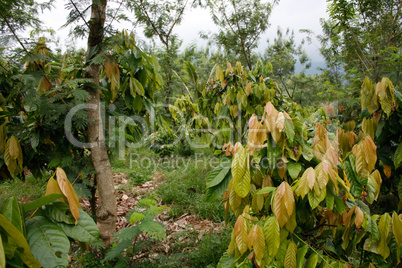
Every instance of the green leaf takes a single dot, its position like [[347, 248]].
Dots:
[[400, 189], [373, 229], [136, 217], [290, 132], [241, 173], [217, 175], [59, 212], [147, 202], [312, 261], [86, 229], [290, 257], [42, 201], [398, 156], [330, 200], [266, 190], [136, 87], [2, 254], [226, 261], [153, 229], [48, 242], [383, 227], [117, 250], [13, 213], [216, 192], [128, 233], [272, 235], [294, 169], [314, 200], [21, 242], [239, 164], [300, 256]]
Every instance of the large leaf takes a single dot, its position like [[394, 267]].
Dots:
[[397, 158], [312, 261], [86, 229], [241, 184], [300, 256], [397, 230], [239, 164], [67, 189], [272, 235], [12, 212], [217, 191], [13, 156], [2, 254], [20, 240], [241, 234], [136, 87], [294, 169], [53, 188], [59, 212], [284, 203], [42, 201], [217, 175], [256, 239], [383, 227], [226, 261], [48, 242], [290, 257]]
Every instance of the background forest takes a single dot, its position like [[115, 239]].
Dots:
[[138, 152]]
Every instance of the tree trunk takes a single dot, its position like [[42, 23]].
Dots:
[[106, 209]]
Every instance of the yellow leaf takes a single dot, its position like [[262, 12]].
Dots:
[[321, 141], [291, 224], [375, 181], [283, 203], [383, 227], [290, 257], [281, 166], [239, 163], [256, 240], [359, 217], [14, 147], [289, 199], [271, 120], [347, 215], [310, 173], [68, 191], [232, 245], [321, 176], [361, 164], [267, 182], [248, 89], [13, 156], [397, 228], [367, 95], [385, 92], [280, 121], [241, 234], [258, 202], [370, 152], [53, 188], [241, 184], [303, 185]]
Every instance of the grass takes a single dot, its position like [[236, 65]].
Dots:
[[24, 191], [184, 189]]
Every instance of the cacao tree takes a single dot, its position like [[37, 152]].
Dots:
[[301, 196]]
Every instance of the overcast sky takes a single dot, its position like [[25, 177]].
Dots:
[[294, 14]]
